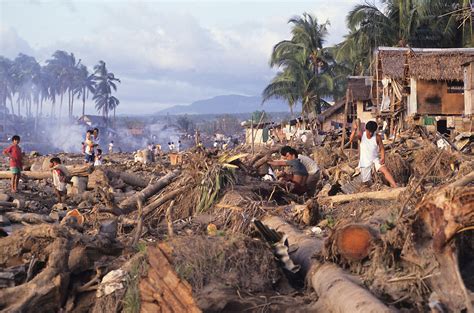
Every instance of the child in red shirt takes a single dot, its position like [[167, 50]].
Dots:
[[14, 153]]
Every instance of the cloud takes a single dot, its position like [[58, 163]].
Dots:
[[170, 56], [11, 43]]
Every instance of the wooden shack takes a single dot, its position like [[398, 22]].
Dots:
[[425, 85], [360, 98]]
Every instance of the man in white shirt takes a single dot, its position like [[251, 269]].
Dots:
[[371, 146]]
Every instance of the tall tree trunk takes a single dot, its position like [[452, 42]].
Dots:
[[84, 102], [53, 104], [11, 104], [18, 104], [60, 106], [41, 107], [72, 105], [37, 115], [5, 117]]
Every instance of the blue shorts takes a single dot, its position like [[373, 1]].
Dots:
[[89, 158]]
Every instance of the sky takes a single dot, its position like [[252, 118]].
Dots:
[[165, 52]]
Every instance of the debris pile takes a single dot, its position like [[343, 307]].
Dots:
[[208, 233]]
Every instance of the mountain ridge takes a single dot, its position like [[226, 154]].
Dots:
[[229, 104]]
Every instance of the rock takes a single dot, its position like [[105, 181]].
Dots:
[[34, 154], [59, 207], [87, 195], [84, 205], [108, 228], [45, 164], [4, 221], [57, 215], [32, 205], [79, 185], [98, 178], [4, 197]]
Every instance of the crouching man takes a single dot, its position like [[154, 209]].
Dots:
[[371, 147], [298, 175]]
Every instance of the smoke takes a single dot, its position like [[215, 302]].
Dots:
[[161, 134], [54, 137], [65, 138]]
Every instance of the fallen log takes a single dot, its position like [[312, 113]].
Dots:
[[130, 179], [329, 281], [81, 170], [389, 194], [30, 218], [163, 199], [130, 203], [263, 155], [54, 245], [134, 180], [440, 217], [354, 241]]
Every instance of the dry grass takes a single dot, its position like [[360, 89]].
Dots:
[[399, 168], [423, 159], [325, 157], [234, 260]]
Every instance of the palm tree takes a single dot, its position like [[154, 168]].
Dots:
[[26, 71], [306, 66], [7, 88], [105, 82], [63, 67], [84, 84], [414, 23]]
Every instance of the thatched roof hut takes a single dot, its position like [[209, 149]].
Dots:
[[427, 64], [360, 87], [333, 109]]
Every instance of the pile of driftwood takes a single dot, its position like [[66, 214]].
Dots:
[[209, 234]]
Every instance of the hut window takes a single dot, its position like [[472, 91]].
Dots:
[[455, 86], [368, 106]]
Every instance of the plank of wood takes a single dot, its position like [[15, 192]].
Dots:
[[389, 194], [162, 290]]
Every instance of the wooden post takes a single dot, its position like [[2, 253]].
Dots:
[[258, 126], [345, 120], [253, 138]]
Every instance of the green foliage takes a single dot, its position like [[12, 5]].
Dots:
[[414, 23], [308, 71], [105, 84], [131, 300], [331, 221], [62, 77]]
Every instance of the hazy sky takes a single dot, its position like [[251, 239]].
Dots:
[[165, 52]]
